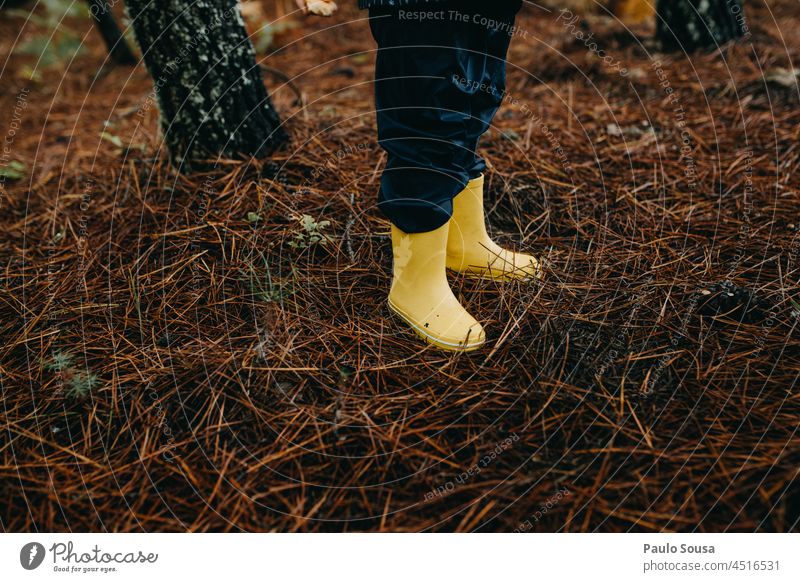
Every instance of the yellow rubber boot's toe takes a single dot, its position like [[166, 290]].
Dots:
[[471, 251], [422, 297]]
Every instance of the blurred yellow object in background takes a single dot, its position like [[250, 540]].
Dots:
[[628, 11], [632, 11]]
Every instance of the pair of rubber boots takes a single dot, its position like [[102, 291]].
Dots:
[[420, 293]]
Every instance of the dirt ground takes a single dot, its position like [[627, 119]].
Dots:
[[184, 353]]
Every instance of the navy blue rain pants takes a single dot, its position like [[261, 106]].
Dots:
[[439, 80]]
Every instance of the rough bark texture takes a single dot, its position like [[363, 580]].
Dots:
[[209, 89], [118, 48], [692, 24]]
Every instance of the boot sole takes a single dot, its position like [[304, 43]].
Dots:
[[439, 343]]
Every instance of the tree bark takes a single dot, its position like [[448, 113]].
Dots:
[[694, 24], [118, 48], [210, 92]]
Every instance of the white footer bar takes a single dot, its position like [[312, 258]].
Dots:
[[400, 557]]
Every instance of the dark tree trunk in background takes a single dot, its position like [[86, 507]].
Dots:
[[210, 92], [692, 24], [11, 3], [118, 48]]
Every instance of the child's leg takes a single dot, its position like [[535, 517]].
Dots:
[[423, 124], [489, 45], [423, 114], [470, 249]]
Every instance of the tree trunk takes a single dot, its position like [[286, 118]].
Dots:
[[209, 88], [11, 3], [118, 48], [692, 24]]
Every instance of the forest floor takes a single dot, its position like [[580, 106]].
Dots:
[[179, 353]]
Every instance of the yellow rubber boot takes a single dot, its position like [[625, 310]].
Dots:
[[422, 297], [472, 252]]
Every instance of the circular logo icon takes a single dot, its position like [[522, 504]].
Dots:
[[31, 555]]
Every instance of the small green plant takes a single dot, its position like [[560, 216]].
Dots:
[[311, 233], [266, 289], [81, 385], [62, 48], [13, 171], [59, 362]]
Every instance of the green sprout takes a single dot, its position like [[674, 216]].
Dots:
[[268, 289], [59, 362], [13, 171], [311, 233], [81, 385]]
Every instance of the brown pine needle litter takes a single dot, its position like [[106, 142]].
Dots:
[[213, 352]]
